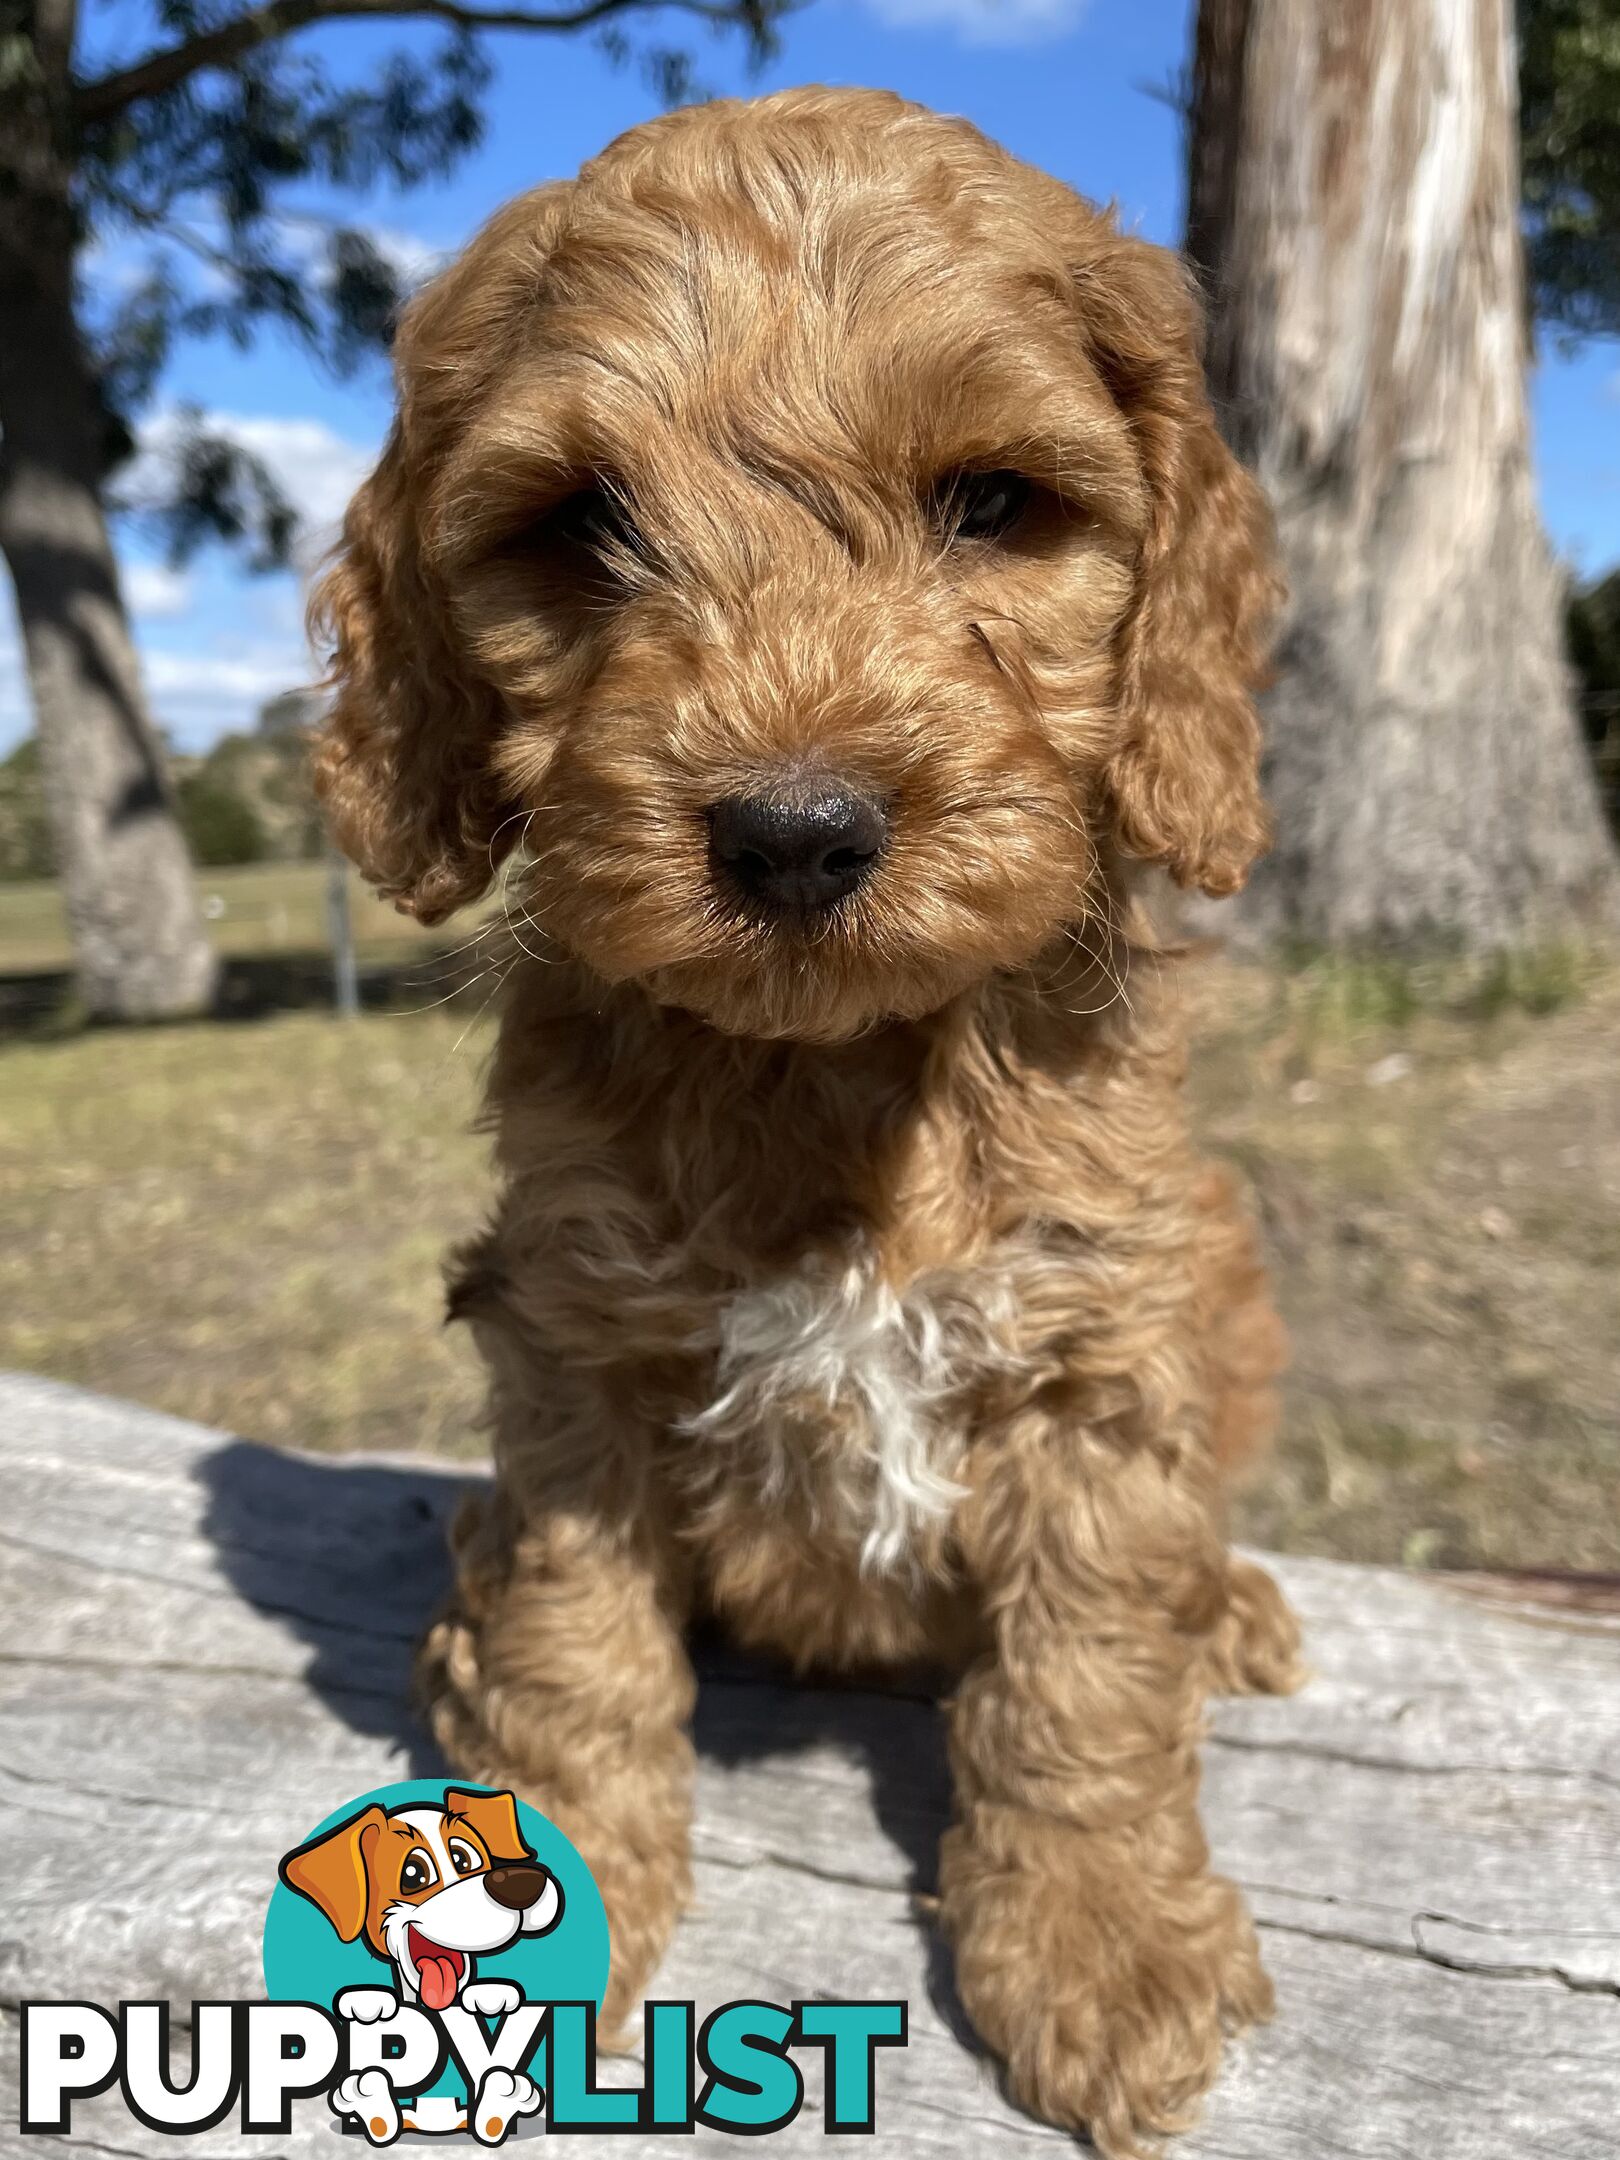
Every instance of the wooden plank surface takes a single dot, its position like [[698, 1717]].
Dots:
[[203, 1648]]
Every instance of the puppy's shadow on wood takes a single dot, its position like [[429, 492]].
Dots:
[[752, 1710], [351, 1557]]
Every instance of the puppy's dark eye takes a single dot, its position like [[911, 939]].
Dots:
[[594, 520], [596, 517], [418, 1873], [463, 1858], [980, 505]]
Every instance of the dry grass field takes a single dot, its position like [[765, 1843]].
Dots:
[[243, 1222], [258, 910], [1439, 1182]]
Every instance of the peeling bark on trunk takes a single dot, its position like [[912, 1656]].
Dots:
[[138, 940], [1353, 207]]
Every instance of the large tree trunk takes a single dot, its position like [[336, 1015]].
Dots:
[[138, 939], [1353, 206]]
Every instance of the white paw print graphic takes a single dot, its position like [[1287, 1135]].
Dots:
[[368, 2099], [367, 2005], [491, 1998], [503, 2096]]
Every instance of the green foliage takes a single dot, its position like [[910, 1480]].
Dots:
[[1569, 88], [216, 490], [197, 178], [221, 827], [1592, 627], [271, 772], [25, 835], [200, 159], [249, 800]]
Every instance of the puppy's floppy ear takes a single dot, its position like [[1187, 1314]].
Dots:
[[1184, 778], [403, 762], [331, 1870], [494, 1816]]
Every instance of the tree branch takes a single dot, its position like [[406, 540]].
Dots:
[[108, 95]]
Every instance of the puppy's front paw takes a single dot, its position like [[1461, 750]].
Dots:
[[503, 2096], [366, 2097], [491, 1998], [1106, 1995], [367, 2005], [1254, 1648]]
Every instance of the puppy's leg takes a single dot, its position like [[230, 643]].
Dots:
[[1095, 1951], [560, 1672], [1254, 1648], [1244, 1350]]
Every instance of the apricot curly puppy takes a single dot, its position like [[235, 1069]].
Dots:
[[804, 541]]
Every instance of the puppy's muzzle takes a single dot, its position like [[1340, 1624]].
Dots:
[[516, 1887], [802, 845]]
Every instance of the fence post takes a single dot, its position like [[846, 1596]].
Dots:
[[340, 930]]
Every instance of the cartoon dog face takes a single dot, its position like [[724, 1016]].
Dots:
[[429, 1887]]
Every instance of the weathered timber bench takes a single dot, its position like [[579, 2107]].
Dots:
[[203, 1649]]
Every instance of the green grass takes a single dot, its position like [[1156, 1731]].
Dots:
[[258, 910], [1334, 997], [245, 1223]]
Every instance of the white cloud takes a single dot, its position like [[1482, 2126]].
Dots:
[[113, 263], [118, 260], [235, 682], [197, 696], [153, 591], [198, 692], [213, 689], [412, 259], [316, 468], [986, 22], [16, 720]]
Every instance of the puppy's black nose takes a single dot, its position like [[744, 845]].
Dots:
[[516, 1887], [801, 845]]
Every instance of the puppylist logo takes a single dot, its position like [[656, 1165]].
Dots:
[[435, 1958]]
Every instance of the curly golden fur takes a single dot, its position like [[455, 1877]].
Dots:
[[852, 1278]]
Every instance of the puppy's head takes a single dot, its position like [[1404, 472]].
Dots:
[[807, 535], [428, 1887]]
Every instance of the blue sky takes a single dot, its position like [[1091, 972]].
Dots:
[[1063, 83]]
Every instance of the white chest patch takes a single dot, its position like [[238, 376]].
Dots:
[[833, 1383]]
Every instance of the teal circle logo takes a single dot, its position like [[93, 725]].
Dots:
[[429, 1886]]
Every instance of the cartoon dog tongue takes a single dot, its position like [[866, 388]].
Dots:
[[436, 1973]]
